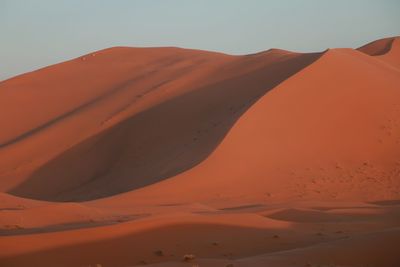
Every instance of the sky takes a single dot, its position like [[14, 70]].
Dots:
[[38, 33]]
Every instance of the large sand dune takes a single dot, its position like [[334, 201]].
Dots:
[[131, 156]]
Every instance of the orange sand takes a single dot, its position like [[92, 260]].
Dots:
[[132, 156]]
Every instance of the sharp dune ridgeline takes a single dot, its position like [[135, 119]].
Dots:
[[178, 157]]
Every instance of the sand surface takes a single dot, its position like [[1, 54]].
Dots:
[[140, 156]]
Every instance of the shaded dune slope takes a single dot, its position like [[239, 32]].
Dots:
[[164, 139], [64, 104]]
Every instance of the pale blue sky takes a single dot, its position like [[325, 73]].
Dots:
[[37, 33]]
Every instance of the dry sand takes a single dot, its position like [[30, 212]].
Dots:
[[133, 156]]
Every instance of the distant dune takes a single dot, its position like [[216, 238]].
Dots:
[[133, 156]]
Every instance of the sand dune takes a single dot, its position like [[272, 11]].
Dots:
[[387, 49], [329, 132], [132, 156], [160, 141], [378, 47]]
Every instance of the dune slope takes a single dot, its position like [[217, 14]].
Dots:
[[140, 147]]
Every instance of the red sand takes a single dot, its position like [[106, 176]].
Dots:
[[131, 156]]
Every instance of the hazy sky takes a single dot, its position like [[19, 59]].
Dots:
[[37, 33]]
